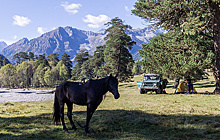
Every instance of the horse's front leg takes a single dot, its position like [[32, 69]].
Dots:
[[90, 110], [62, 117]]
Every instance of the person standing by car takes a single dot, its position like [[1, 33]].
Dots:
[[190, 85], [177, 82]]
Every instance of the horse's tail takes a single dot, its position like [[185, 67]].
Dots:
[[56, 113]]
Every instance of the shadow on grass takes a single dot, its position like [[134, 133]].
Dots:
[[114, 124]]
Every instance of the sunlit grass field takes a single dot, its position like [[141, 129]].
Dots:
[[132, 116]]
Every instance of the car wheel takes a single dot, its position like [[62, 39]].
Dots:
[[159, 91]]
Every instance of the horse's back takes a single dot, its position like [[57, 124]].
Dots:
[[75, 92], [62, 88]]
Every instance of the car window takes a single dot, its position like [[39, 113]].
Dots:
[[151, 77]]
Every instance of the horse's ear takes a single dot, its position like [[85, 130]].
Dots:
[[109, 77], [116, 75]]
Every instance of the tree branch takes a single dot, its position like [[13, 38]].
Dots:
[[210, 37]]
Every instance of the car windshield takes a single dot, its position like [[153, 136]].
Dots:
[[151, 77]]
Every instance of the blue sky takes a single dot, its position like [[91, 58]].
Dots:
[[31, 18]]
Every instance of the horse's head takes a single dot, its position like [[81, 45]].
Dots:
[[113, 86]]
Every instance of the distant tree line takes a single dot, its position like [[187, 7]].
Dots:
[[31, 70], [3, 61], [35, 71]]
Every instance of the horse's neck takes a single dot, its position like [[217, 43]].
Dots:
[[100, 86]]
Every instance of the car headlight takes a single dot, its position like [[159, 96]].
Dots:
[[155, 84]]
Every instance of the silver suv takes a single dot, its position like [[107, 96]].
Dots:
[[150, 82]]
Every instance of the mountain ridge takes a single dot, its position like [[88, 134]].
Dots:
[[70, 40], [2, 45]]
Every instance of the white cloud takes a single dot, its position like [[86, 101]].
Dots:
[[96, 22], [127, 9], [41, 30], [93, 25], [21, 21], [71, 8]]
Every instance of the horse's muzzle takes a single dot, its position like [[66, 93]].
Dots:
[[117, 96]]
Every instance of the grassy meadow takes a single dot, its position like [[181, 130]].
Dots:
[[132, 116]]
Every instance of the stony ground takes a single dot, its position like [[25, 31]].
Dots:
[[17, 95]]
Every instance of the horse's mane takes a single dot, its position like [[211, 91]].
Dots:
[[97, 84]]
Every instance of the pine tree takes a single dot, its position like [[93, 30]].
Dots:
[[17, 59], [80, 58], [137, 69], [117, 55], [67, 62], [41, 60], [20, 57], [53, 58], [177, 55], [98, 61], [23, 56], [190, 17], [75, 73], [31, 56], [5, 61], [87, 70]]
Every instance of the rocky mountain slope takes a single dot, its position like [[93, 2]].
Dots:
[[70, 40], [2, 45]]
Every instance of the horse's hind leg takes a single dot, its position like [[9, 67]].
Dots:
[[69, 114], [62, 117]]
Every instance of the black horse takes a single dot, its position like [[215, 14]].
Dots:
[[90, 93]]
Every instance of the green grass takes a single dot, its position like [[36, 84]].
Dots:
[[132, 116]]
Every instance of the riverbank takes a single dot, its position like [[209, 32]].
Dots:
[[18, 95]]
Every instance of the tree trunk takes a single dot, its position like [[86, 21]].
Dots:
[[119, 60], [216, 40]]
